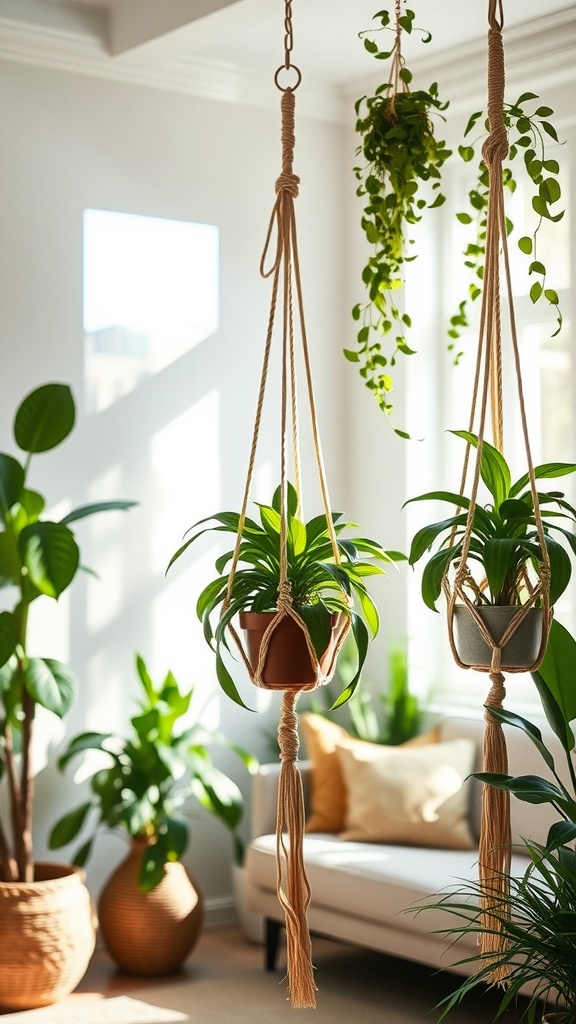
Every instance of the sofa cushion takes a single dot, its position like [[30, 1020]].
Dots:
[[328, 790], [416, 795]]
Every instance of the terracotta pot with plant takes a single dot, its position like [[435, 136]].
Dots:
[[38, 557], [150, 910], [326, 596]]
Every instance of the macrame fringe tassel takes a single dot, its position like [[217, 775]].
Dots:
[[293, 887], [495, 841]]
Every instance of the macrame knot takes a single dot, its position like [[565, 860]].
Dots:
[[495, 148], [284, 599], [288, 183], [497, 695], [288, 740]]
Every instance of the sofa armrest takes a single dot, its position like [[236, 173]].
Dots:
[[265, 796]]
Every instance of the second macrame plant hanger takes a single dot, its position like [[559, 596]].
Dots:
[[292, 884], [495, 839]]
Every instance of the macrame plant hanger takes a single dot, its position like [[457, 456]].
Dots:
[[495, 839], [292, 884]]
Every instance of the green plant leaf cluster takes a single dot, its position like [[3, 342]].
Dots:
[[38, 557], [319, 586], [529, 135], [399, 178], [150, 776], [538, 918], [504, 538]]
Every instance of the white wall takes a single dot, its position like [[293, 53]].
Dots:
[[179, 444]]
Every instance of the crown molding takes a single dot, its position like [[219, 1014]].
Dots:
[[538, 53], [228, 83]]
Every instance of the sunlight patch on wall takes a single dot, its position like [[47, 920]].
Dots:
[[150, 295]]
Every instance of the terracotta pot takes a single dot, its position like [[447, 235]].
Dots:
[[520, 652], [47, 936], [288, 662], [149, 932]]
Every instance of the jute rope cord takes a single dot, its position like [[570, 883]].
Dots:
[[495, 839], [292, 884]]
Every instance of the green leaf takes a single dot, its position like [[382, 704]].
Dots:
[[548, 470], [45, 418], [529, 788], [99, 506], [51, 684], [532, 731], [68, 826], [50, 555], [536, 291], [493, 467], [557, 672], [319, 626], [11, 483]]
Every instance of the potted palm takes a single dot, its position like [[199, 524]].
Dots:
[[322, 592], [150, 910], [504, 549], [38, 557], [537, 917]]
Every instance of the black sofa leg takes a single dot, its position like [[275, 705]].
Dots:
[[272, 940]]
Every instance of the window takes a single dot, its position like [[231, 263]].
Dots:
[[150, 295]]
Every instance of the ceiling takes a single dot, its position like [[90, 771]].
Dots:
[[248, 34]]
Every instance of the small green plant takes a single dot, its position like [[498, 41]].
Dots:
[[528, 140], [504, 537], [319, 587], [401, 154], [38, 557], [150, 777]]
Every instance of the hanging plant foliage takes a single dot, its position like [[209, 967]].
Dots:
[[400, 178], [528, 134]]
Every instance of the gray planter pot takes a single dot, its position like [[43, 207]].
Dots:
[[522, 649]]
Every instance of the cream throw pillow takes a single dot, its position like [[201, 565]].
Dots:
[[415, 796], [328, 791]]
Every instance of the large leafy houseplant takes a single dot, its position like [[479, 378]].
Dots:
[[504, 539], [38, 557], [319, 586], [148, 779], [537, 920]]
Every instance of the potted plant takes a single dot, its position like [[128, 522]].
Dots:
[[38, 556], [150, 910], [322, 592], [504, 548], [399, 179], [537, 920]]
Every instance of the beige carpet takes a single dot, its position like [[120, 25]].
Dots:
[[224, 983]]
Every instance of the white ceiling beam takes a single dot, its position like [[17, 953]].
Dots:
[[161, 28]]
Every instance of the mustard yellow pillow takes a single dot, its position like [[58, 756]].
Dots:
[[415, 795], [328, 790]]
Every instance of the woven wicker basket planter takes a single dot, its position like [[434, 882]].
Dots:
[[149, 932], [47, 936]]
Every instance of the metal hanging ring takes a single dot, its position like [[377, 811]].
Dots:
[[289, 67]]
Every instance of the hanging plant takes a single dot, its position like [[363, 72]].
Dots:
[[527, 134], [401, 177]]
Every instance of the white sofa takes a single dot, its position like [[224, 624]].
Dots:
[[362, 892]]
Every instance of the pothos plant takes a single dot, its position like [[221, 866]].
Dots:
[[529, 135], [399, 179]]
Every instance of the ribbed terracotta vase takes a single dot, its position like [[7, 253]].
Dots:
[[288, 663], [47, 936], [149, 932], [522, 649]]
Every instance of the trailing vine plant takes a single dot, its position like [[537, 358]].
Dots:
[[401, 155], [527, 141]]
